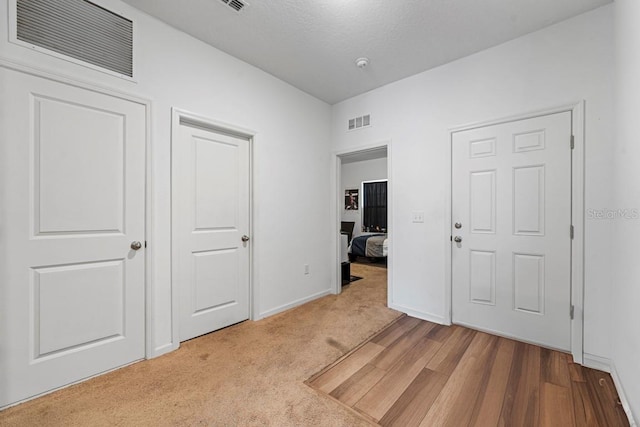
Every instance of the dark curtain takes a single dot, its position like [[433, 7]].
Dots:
[[375, 206]]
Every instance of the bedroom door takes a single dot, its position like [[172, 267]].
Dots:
[[210, 182], [511, 216], [72, 232]]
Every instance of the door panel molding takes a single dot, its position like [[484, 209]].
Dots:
[[577, 110], [181, 118]]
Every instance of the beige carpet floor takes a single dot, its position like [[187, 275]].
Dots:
[[250, 374]]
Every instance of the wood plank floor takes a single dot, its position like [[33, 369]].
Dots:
[[417, 373]]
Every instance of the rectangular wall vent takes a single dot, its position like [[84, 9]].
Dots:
[[359, 122], [78, 29], [236, 5]]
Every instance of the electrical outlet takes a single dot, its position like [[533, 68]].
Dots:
[[418, 217], [306, 269]]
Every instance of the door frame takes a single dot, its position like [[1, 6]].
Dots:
[[177, 116], [577, 111], [150, 350], [338, 198]]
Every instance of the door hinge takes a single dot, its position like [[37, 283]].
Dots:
[[571, 232], [573, 142], [571, 310]]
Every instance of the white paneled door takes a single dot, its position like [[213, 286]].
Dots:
[[72, 191], [511, 219], [210, 229]]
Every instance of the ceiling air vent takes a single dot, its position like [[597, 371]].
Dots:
[[359, 122], [78, 29], [236, 5]]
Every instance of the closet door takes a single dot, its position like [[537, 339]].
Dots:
[[210, 229], [72, 203]]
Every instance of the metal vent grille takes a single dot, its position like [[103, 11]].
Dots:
[[359, 122], [79, 29], [236, 5]]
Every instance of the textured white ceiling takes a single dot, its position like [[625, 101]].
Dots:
[[313, 44]]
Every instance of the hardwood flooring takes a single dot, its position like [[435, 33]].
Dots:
[[417, 373]]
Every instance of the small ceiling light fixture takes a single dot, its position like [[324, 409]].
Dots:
[[362, 62]]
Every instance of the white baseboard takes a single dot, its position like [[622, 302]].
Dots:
[[293, 304], [163, 349], [622, 396], [420, 315], [597, 362], [606, 365]]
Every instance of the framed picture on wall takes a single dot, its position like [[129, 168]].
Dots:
[[351, 200]]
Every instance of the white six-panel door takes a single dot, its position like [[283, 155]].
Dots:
[[210, 175], [512, 203], [72, 200]]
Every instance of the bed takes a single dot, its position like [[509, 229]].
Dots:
[[369, 245]]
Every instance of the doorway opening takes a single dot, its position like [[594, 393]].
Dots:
[[363, 215]]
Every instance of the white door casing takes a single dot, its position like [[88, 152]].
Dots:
[[211, 205], [511, 192], [72, 192]]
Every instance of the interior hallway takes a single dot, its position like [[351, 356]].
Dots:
[[253, 373]]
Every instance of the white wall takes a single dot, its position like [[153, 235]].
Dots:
[[559, 65], [292, 159], [626, 188], [352, 175]]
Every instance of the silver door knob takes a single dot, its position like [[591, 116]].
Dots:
[[136, 245], [458, 225], [457, 239], [245, 238]]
